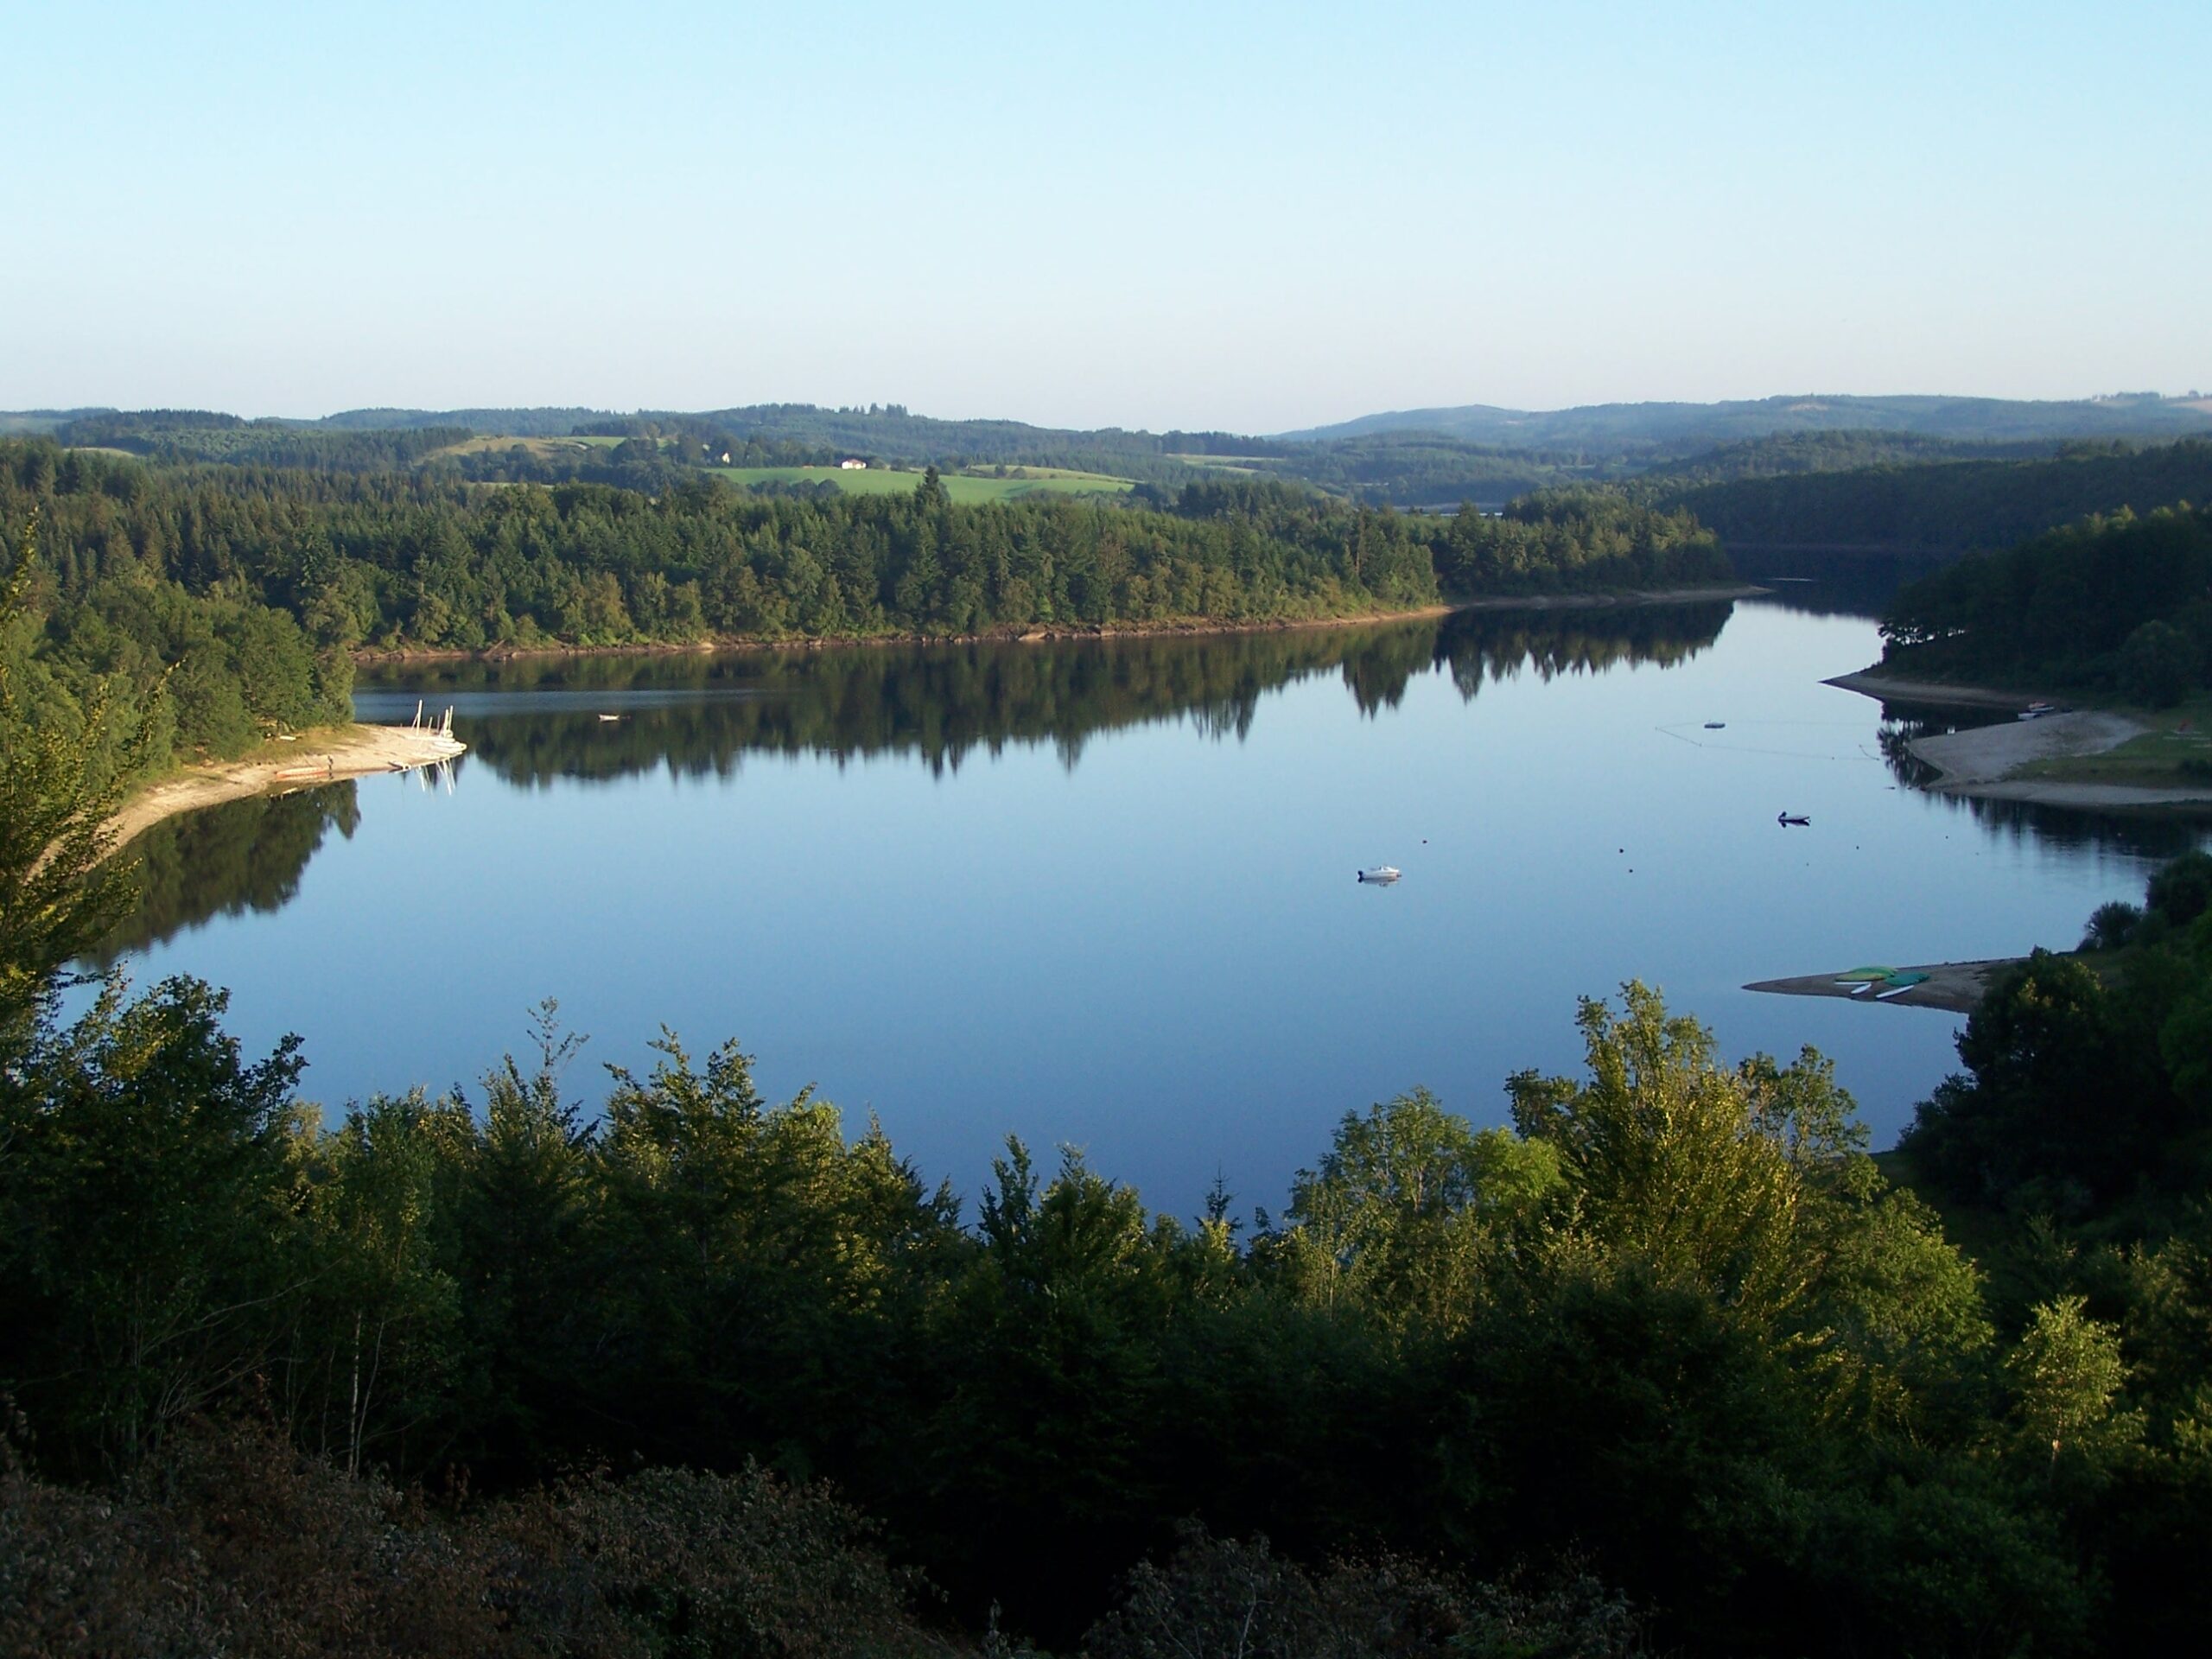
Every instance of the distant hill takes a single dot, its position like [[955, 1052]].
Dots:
[[500, 423], [879, 432], [1678, 428], [36, 423], [1438, 457]]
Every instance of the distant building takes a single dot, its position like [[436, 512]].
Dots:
[[854, 466]]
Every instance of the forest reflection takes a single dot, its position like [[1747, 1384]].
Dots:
[[2153, 835], [1829, 581], [223, 861], [534, 720]]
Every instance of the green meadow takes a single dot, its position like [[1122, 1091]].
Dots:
[[544, 448], [961, 486], [1222, 463]]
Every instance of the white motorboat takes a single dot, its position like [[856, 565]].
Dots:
[[1381, 875]]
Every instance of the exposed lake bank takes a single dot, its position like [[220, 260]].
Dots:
[[2039, 761], [1605, 601], [1990, 761], [317, 757]]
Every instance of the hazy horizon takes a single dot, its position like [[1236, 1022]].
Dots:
[[1019, 419], [1255, 221]]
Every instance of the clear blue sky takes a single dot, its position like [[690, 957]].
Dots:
[[1249, 217]]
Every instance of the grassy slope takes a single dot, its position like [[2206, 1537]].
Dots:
[[2153, 761]]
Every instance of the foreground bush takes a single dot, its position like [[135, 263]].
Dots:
[[1221, 1596], [234, 1544]]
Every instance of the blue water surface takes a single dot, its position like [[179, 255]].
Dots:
[[1101, 894]]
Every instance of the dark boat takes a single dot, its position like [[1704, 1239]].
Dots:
[[1792, 818]]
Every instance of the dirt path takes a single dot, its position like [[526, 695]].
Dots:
[[317, 758]]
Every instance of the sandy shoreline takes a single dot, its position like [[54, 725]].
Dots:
[[1035, 636], [318, 758], [1953, 987]]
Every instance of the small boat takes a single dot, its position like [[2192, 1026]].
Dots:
[[1796, 818], [2037, 710], [1381, 875], [610, 717], [1898, 983], [1716, 724]]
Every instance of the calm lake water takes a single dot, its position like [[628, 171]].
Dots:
[[1102, 894]]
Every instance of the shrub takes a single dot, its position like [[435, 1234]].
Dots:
[[1222, 1595], [2181, 892], [2158, 665], [2111, 924]]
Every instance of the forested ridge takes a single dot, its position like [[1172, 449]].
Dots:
[[249, 586], [1954, 504], [1414, 468]]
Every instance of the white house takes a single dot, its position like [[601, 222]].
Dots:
[[851, 465]]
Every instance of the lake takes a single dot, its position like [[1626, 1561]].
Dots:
[[1102, 893]]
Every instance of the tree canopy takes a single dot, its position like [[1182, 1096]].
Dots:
[[2124, 601]]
